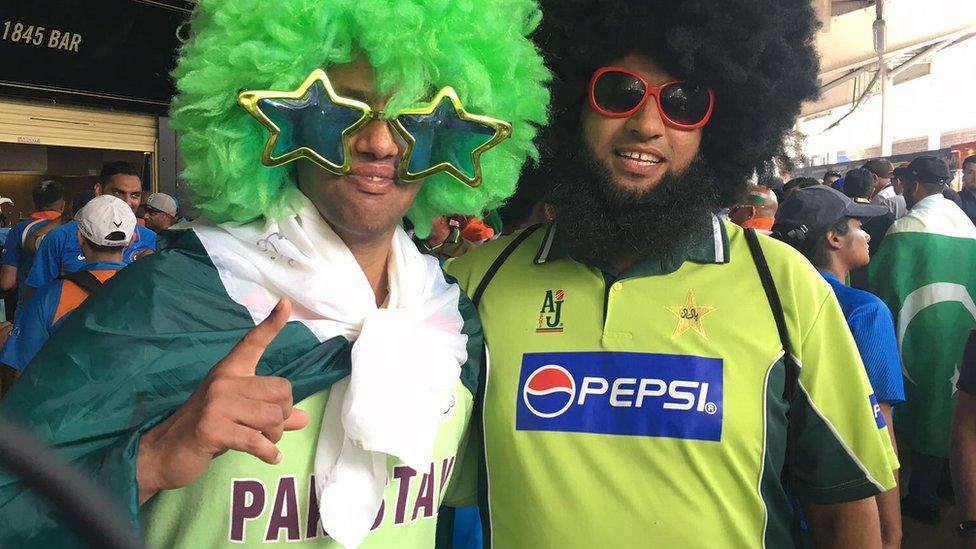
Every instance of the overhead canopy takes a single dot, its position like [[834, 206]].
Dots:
[[915, 29]]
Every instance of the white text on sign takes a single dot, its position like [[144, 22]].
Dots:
[[35, 35]]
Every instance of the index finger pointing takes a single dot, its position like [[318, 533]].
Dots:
[[243, 358]]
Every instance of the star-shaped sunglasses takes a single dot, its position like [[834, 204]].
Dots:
[[315, 122]]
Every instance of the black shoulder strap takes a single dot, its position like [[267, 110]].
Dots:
[[84, 279], [499, 261], [791, 384], [769, 286]]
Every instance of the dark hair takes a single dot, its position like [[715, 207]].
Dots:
[[800, 183], [858, 183], [760, 79], [98, 248], [880, 167], [969, 160], [46, 193], [111, 169], [831, 173], [817, 252]]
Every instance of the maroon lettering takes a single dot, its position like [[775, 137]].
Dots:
[[447, 467], [403, 474], [246, 503], [313, 526], [425, 497], [284, 514], [379, 516]]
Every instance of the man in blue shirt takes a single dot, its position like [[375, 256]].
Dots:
[[825, 225], [17, 258], [104, 227], [59, 252]]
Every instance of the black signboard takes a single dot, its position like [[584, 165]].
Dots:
[[115, 53]]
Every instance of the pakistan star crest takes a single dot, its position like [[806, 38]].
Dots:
[[690, 316]]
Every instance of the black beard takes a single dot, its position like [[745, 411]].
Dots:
[[600, 223]]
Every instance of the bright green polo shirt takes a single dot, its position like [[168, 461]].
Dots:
[[647, 410]]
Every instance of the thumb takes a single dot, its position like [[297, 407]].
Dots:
[[243, 359]]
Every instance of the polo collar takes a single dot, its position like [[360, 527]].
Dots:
[[710, 245]]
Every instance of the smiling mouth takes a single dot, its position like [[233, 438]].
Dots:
[[642, 158]]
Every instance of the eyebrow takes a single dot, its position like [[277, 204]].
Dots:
[[358, 94]]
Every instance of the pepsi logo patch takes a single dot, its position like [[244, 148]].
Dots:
[[879, 418], [549, 391], [615, 393]]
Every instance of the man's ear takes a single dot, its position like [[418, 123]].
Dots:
[[98, 189]]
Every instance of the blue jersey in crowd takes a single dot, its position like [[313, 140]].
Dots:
[[874, 332], [14, 254], [60, 253], [45, 312]]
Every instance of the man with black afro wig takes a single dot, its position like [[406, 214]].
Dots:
[[645, 386]]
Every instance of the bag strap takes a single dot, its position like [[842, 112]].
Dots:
[[772, 296], [792, 381], [499, 261], [84, 280]]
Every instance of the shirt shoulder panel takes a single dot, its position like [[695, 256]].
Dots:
[[471, 268]]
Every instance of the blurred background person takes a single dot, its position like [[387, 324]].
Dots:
[[923, 271], [162, 212], [968, 192], [859, 184], [757, 210], [830, 178], [962, 452], [17, 259], [883, 191]]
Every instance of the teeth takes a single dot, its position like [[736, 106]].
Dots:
[[375, 178], [643, 157]]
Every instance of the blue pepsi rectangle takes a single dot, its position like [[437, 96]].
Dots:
[[615, 393], [876, 409]]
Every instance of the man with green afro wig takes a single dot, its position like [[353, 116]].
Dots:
[[289, 368]]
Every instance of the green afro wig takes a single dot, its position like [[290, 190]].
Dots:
[[480, 47]]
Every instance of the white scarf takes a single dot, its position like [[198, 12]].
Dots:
[[406, 358]]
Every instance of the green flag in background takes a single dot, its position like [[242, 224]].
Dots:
[[925, 272]]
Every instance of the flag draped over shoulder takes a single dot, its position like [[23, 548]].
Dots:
[[925, 271], [124, 361]]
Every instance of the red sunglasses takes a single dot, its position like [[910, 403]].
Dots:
[[616, 92]]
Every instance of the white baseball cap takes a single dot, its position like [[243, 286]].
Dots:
[[162, 202], [107, 221]]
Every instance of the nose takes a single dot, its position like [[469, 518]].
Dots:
[[375, 140], [647, 123]]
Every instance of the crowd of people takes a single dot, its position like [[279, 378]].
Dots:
[[901, 234], [53, 260], [390, 196]]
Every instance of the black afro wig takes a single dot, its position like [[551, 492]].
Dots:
[[757, 55]]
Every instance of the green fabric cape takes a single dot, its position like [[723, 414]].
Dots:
[[132, 354]]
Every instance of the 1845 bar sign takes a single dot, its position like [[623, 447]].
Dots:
[[111, 52]]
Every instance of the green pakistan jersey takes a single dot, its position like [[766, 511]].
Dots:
[[647, 409], [241, 500]]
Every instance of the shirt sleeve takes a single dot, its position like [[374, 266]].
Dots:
[[47, 262], [32, 329], [11, 248], [841, 447], [967, 370], [874, 332]]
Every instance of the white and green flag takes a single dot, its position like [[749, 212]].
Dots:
[[925, 272]]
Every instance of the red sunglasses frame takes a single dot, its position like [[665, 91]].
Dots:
[[649, 90]]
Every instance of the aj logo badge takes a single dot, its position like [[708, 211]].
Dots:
[[690, 316], [550, 316]]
